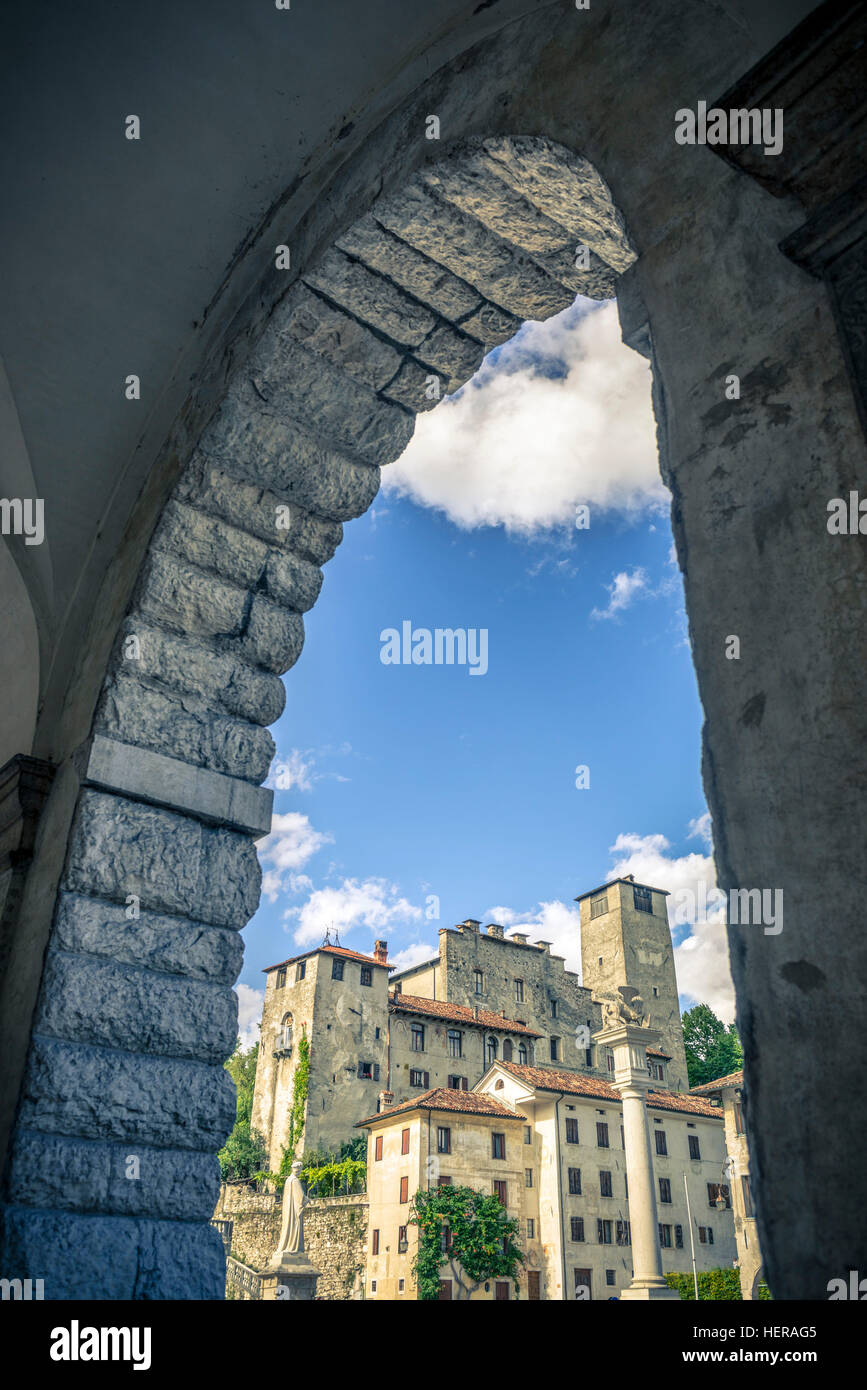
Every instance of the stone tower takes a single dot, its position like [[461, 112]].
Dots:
[[626, 940]]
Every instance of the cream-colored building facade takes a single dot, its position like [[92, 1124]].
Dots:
[[550, 1143], [728, 1092]]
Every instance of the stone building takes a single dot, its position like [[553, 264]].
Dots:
[[550, 1144], [728, 1092]]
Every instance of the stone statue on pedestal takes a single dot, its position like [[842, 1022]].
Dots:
[[291, 1240]]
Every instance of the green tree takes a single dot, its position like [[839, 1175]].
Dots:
[[469, 1232], [712, 1049], [243, 1154]]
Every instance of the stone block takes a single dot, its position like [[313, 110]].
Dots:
[[339, 337], [56, 1171], [421, 277], [112, 1004], [210, 544], [297, 384], [172, 945], [188, 599], [451, 353], [411, 385], [185, 728], [170, 862], [96, 1093], [491, 325], [371, 298], [292, 581], [274, 635]]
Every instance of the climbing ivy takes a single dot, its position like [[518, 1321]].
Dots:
[[335, 1178], [482, 1244], [300, 1086]]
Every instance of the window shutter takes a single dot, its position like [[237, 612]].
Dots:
[[426, 1076], [360, 1071], [463, 1083], [376, 1071], [599, 1229]]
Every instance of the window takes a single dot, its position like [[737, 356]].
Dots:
[[528, 1134], [300, 970], [622, 1138], [401, 1285], [746, 1196], [643, 899], [705, 1235], [598, 906], [528, 1177], [368, 1071], [522, 1054], [571, 1131], [377, 1033], [575, 1182], [444, 1140], [455, 1037], [739, 1117], [626, 1187], [443, 1181], [507, 1049], [419, 1078], [678, 1237], [553, 1003], [661, 1144], [694, 1147], [622, 1233], [337, 969], [654, 1070], [404, 1141], [605, 1187], [446, 1238], [500, 1190], [665, 1236], [404, 1191], [417, 1037], [373, 1286], [367, 974], [377, 1149], [665, 1190], [519, 991], [374, 1243], [603, 1231], [583, 1284], [610, 1276], [457, 1083], [491, 1050], [656, 991], [555, 1049], [577, 1227], [610, 1057], [281, 977], [531, 1228], [601, 1134], [478, 982], [718, 1195], [498, 1146]]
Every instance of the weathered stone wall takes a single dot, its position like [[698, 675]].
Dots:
[[335, 1235]]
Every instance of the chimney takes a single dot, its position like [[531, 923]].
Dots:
[[476, 1012], [469, 925], [494, 929], [386, 1100], [519, 937], [380, 951], [544, 945]]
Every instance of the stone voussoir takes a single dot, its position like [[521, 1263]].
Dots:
[[210, 544], [337, 336], [274, 635], [292, 581], [371, 298], [421, 277], [187, 599]]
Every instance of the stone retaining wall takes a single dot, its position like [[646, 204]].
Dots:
[[335, 1235]]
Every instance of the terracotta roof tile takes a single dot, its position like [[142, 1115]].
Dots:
[[550, 1079], [458, 1013], [440, 1098], [329, 951], [734, 1078]]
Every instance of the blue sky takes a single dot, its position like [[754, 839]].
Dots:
[[403, 791]]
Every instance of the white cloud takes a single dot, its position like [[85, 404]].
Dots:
[[292, 842], [412, 955], [561, 416], [372, 902], [250, 1002], [294, 771], [621, 592], [701, 959]]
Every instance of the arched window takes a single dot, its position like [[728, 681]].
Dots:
[[522, 1054], [507, 1049], [284, 1036], [492, 1050]]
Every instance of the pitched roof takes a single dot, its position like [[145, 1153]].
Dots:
[[457, 1013], [625, 878], [440, 1098], [734, 1078], [657, 1052], [573, 1083], [329, 951]]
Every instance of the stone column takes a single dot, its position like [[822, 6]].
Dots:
[[628, 1042]]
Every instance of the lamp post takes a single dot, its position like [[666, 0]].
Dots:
[[691, 1237], [624, 1032]]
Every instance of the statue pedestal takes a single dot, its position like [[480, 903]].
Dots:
[[290, 1277]]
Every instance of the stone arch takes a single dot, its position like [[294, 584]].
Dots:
[[507, 1049]]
